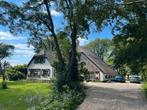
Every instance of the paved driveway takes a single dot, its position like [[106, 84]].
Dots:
[[114, 96]]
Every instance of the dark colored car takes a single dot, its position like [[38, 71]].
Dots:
[[134, 79], [119, 79]]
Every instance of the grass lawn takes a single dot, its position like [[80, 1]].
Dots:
[[145, 88], [23, 95]]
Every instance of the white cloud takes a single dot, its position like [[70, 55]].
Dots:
[[82, 41], [23, 46], [8, 36], [55, 13], [23, 52]]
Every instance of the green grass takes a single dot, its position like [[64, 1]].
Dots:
[[145, 88], [22, 95]]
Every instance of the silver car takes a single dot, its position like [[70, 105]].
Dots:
[[134, 79]]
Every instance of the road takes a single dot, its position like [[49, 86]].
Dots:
[[114, 96]]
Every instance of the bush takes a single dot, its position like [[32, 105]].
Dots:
[[16, 73], [21, 68], [84, 74], [4, 85], [66, 100]]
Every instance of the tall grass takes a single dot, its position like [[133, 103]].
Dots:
[[145, 88]]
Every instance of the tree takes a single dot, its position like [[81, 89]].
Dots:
[[35, 17], [80, 16], [101, 47], [5, 51], [130, 38]]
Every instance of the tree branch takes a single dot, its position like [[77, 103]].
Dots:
[[136, 1], [49, 16]]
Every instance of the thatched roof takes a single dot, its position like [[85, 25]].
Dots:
[[44, 53], [98, 62]]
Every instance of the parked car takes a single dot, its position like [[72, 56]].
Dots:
[[119, 78], [113, 79], [134, 79]]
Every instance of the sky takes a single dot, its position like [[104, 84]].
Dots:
[[23, 52]]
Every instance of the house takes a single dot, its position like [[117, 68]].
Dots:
[[98, 69], [40, 66]]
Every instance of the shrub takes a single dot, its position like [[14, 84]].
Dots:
[[16, 73], [84, 74], [4, 85], [66, 100], [21, 68]]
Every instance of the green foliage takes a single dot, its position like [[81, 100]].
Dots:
[[130, 37], [83, 72], [21, 68], [79, 16], [5, 50], [16, 73], [145, 88], [66, 100], [4, 85], [102, 48]]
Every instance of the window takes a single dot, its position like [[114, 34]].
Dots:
[[46, 73], [34, 73], [106, 76], [39, 60]]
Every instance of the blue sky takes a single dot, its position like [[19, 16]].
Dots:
[[23, 53]]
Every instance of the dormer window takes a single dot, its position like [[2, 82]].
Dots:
[[39, 59]]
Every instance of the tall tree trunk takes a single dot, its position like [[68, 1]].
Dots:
[[4, 84], [73, 62], [3, 75], [51, 28], [2, 72], [58, 51], [61, 67]]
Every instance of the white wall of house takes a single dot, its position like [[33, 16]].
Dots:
[[93, 69], [40, 66], [102, 76]]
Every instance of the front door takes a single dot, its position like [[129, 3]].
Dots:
[[97, 75]]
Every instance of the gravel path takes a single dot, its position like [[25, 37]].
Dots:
[[114, 96]]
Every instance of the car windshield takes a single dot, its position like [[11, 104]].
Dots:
[[134, 77]]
